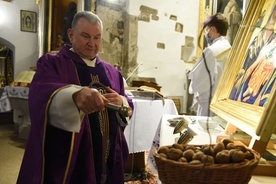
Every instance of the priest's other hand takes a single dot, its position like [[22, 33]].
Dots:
[[113, 97], [89, 100]]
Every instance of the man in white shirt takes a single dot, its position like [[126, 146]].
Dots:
[[207, 71]]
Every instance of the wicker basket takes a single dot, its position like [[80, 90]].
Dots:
[[173, 172]]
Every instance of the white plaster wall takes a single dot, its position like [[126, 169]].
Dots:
[[171, 70], [26, 43]]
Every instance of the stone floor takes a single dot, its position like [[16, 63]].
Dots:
[[11, 150]]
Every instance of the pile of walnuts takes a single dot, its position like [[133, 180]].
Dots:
[[223, 152]]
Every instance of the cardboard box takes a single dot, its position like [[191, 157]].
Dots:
[[136, 163], [267, 168]]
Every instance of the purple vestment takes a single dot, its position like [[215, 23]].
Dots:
[[53, 155]]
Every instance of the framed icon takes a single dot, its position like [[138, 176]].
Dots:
[[246, 95], [28, 21]]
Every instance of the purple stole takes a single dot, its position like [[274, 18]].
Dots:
[[95, 77]]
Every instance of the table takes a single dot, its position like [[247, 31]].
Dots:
[[139, 133], [144, 122], [164, 136], [167, 136], [12, 92], [16, 98]]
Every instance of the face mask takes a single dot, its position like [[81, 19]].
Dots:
[[208, 39]]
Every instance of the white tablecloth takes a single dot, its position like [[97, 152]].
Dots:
[[144, 122], [12, 92], [16, 99], [165, 136]]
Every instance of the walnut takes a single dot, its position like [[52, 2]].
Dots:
[[195, 162], [188, 154], [198, 155], [218, 147], [174, 153], [207, 159], [192, 147], [230, 146], [241, 147], [237, 155], [178, 146], [226, 141], [248, 155], [163, 149], [208, 150], [163, 155], [222, 157], [182, 159]]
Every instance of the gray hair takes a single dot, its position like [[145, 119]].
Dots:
[[89, 16]]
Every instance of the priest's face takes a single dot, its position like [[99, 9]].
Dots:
[[86, 38]]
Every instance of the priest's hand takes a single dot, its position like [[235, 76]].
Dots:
[[89, 100], [113, 97]]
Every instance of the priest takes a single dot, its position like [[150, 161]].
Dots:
[[73, 137]]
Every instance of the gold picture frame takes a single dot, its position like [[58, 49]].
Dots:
[[231, 100], [51, 25], [211, 7], [233, 10], [28, 21], [205, 10]]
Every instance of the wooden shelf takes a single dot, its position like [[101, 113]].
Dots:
[[138, 83]]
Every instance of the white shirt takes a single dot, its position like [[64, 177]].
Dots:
[[200, 80]]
